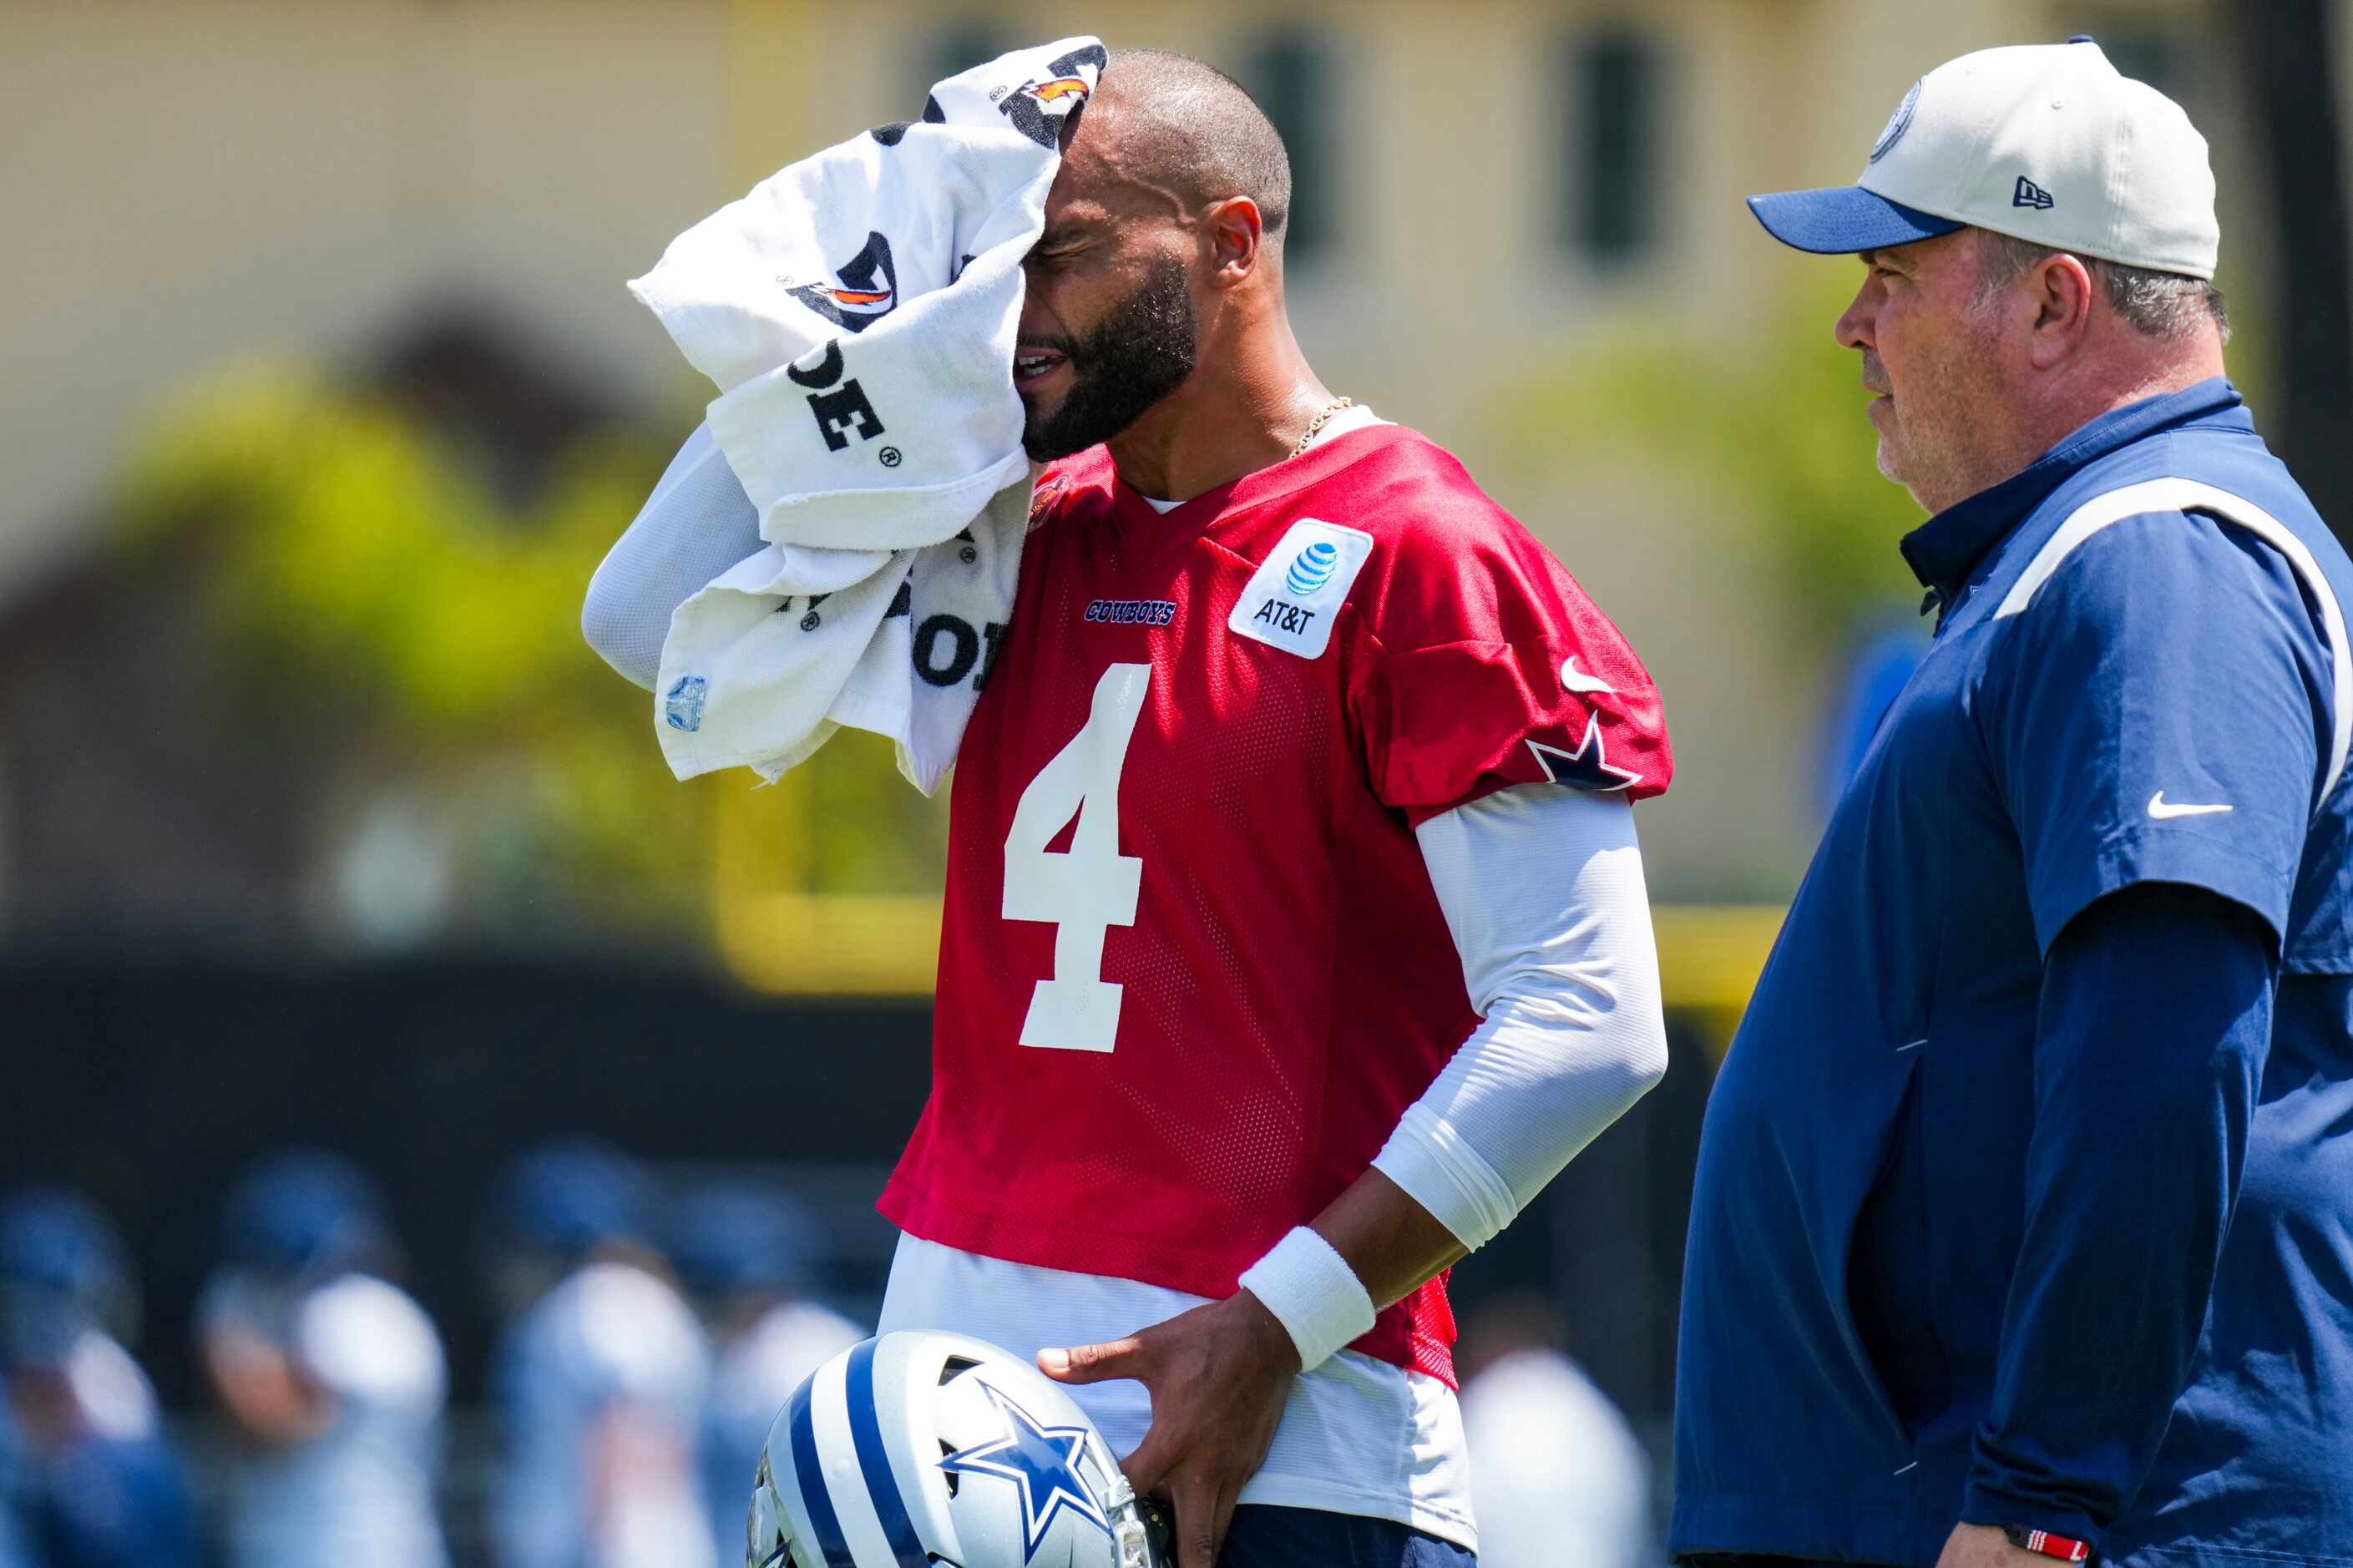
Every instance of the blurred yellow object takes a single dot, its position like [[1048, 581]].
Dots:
[[845, 945], [832, 944], [777, 936], [1709, 958]]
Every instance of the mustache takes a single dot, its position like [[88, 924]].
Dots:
[[1055, 342], [1874, 375]]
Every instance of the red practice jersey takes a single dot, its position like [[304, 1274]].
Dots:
[[1192, 970]]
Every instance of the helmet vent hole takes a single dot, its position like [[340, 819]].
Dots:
[[954, 1367], [948, 1448]]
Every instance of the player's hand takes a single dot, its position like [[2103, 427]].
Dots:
[[1218, 1376], [1983, 1546]]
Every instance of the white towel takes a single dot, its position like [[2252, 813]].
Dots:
[[858, 310]]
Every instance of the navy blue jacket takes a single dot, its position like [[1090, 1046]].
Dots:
[[2026, 1191]]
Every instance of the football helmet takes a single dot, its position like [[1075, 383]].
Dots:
[[915, 1448], [303, 1213]]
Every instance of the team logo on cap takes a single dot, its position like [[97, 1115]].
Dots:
[[1897, 124], [866, 288]]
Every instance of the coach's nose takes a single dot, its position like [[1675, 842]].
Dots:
[[1855, 329]]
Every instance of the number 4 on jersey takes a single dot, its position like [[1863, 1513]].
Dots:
[[1089, 888]]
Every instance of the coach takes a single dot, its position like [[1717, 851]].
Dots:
[[2023, 1225]]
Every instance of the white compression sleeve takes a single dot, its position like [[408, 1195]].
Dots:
[[696, 524], [1542, 887]]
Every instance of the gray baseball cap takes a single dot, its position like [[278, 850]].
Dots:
[[2044, 142]]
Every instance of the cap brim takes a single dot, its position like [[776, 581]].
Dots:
[[1843, 219]]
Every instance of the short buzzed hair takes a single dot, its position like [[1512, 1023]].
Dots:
[[1209, 140]]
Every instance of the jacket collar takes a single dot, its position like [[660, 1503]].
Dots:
[[1946, 548]]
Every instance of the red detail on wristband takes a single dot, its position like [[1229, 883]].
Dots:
[[2050, 1545]]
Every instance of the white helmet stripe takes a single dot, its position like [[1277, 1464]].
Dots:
[[809, 1481], [874, 1462], [836, 1456]]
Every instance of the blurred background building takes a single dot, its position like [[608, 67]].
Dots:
[[319, 824]]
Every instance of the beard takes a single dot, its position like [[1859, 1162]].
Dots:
[[1141, 351]]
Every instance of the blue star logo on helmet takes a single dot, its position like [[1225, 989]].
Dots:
[[1043, 1464], [1897, 124], [1311, 568]]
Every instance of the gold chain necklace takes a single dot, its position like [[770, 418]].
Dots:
[[1317, 424]]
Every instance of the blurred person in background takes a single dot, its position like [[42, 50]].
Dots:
[[1556, 1475], [330, 1372], [1879, 658], [93, 1480], [744, 1256], [16, 1498], [599, 1378]]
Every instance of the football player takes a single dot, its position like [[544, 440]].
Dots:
[[745, 1255], [598, 1376], [90, 1475], [332, 1375], [1295, 934]]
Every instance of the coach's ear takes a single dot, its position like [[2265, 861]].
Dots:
[[1235, 233], [2063, 295]]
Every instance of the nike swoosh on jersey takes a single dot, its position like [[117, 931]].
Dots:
[[1576, 680], [2165, 810]]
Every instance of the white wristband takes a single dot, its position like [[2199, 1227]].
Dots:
[[1313, 1293]]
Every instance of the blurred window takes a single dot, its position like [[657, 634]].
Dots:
[[1613, 114], [957, 45], [1290, 73], [2145, 49]]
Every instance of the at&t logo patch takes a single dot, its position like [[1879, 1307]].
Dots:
[[1297, 591], [1311, 568]]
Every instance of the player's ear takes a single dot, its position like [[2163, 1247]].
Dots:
[[1236, 236]]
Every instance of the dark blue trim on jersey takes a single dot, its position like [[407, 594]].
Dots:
[[874, 1460], [808, 1470]]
